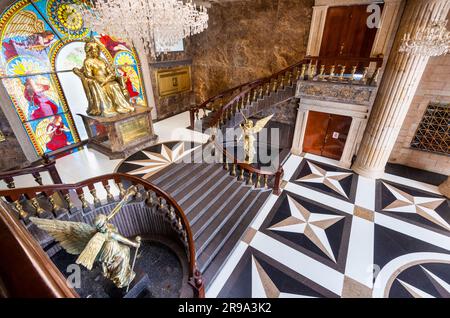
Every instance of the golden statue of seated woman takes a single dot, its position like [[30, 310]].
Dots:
[[106, 92]]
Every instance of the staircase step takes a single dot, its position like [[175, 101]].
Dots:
[[164, 173], [200, 222], [205, 191], [210, 272], [200, 186], [194, 178], [212, 246], [181, 175], [202, 239], [216, 195]]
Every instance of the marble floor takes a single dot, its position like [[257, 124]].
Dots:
[[332, 233]]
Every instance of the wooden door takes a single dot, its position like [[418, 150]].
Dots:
[[326, 134], [346, 34]]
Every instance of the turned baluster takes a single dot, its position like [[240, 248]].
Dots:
[[258, 180], [69, 202], [332, 72], [289, 79], [266, 181], [250, 179], [149, 200], [341, 75], [10, 182], [303, 71], [20, 210], [255, 95], [160, 203], [268, 88], [36, 206], [275, 85], [312, 71], [249, 98], [322, 71], [352, 77], [93, 192], [107, 187], [375, 75], [261, 91], [282, 82], [51, 199], [364, 76], [122, 191], [37, 177], [82, 198], [241, 175], [233, 170]]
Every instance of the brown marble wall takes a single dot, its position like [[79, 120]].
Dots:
[[11, 154], [247, 40]]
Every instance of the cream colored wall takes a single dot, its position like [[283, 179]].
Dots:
[[434, 87]]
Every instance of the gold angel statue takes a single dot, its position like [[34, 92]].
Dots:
[[101, 242], [106, 92], [249, 131]]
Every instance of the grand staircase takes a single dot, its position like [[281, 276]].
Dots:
[[219, 208]]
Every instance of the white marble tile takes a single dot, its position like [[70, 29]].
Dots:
[[299, 262], [322, 159], [220, 280], [412, 230], [359, 265], [262, 214], [319, 197], [412, 183], [290, 166], [365, 193]]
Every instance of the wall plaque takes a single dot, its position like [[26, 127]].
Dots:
[[134, 129], [173, 81]]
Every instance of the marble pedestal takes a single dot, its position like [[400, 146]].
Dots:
[[120, 136]]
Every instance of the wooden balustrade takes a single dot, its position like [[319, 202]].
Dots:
[[319, 68], [83, 196], [252, 176], [48, 166]]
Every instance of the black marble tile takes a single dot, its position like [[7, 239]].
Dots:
[[239, 284], [415, 174], [337, 234], [348, 183]]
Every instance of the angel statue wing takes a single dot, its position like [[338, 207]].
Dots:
[[73, 236], [259, 125], [24, 23], [76, 238]]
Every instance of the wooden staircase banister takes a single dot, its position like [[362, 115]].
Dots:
[[277, 175], [15, 196], [50, 167]]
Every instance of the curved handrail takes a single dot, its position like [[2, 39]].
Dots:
[[8, 176], [14, 195], [251, 169]]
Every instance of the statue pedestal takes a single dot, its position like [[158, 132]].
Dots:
[[120, 136]]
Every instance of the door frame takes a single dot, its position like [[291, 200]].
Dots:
[[358, 113]]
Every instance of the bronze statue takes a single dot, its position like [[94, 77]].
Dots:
[[105, 91], [249, 131], [101, 243]]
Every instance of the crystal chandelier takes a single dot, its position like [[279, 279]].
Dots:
[[429, 41], [146, 23]]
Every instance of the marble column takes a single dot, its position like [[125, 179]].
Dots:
[[445, 188], [397, 89]]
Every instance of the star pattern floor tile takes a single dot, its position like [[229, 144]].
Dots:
[[327, 179], [395, 243], [316, 230], [415, 206]]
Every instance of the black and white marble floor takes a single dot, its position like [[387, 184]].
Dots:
[[332, 233]]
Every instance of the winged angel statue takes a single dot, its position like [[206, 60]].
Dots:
[[101, 242], [249, 131]]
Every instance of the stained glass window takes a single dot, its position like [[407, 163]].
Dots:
[[33, 33], [433, 133]]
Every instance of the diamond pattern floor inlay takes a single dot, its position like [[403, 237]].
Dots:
[[332, 233]]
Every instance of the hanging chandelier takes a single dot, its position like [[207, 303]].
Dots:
[[433, 40], [146, 23]]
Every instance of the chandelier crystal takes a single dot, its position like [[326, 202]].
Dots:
[[146, 23], [433, 40]]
